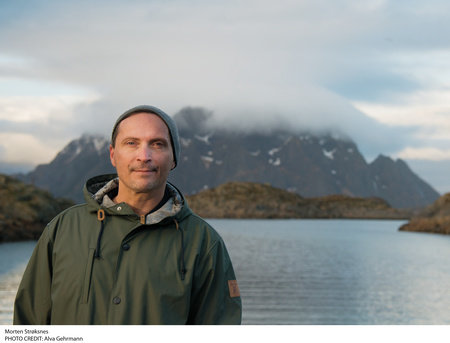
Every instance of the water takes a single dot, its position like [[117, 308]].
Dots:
[[13, 260], [315, 272], [338, 272]]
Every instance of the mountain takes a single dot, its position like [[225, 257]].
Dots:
[[66, 174], [309, 164], [256, 200], [25, 210], [435, 218]]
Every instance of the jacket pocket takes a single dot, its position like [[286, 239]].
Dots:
[[87, 276]]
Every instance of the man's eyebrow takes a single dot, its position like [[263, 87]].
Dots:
[[129, 138], [160, 139], [164, 139]]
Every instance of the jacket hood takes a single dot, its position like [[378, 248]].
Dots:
[[99, 191]]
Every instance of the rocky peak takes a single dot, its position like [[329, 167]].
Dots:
[[86, 144]]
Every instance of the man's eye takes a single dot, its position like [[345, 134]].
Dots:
[[130, 143]]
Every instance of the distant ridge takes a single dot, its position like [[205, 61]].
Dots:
[[308, 164]]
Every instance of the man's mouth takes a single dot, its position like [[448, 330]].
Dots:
[[145, 170]]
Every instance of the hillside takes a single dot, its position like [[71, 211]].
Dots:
[[433, 219], [25, 210], [254, 200]]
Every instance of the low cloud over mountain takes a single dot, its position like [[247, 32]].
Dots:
[[305, 163]]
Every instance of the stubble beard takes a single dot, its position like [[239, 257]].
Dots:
[[146, 184]]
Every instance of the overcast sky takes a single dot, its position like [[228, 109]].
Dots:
[[375, 70]]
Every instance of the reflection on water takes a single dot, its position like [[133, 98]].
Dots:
[[338, 272], [315, 272], [13, 260]]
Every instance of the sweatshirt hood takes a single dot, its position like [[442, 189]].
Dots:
[[100, 190]]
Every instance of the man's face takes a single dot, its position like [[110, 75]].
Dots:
[[142, 154]]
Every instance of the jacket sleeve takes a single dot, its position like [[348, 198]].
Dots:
[[33, 303], [216, 298]]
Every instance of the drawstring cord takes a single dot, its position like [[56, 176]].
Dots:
[[183, 266], [101, 217]]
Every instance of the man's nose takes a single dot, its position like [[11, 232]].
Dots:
[[144, 153]]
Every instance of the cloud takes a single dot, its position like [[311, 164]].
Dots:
[[34, 128], [425, 114], [305, 108], [18, 148], [428, 112], [40, 114], [427, 154], [368, 69], [197, 50]]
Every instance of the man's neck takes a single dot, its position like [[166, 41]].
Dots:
[[141, 203]]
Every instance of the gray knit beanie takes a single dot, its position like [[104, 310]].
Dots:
[[173, 131]]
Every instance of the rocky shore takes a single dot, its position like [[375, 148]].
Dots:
[[255, 200], [433, 219]]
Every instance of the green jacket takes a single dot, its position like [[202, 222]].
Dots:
[[100, 263]]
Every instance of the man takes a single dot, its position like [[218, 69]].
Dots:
[[134, 253]]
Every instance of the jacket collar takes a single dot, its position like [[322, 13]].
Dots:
[[96, 194]]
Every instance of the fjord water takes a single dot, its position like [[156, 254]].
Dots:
[[338, 272], [315, 272], [13, 260]]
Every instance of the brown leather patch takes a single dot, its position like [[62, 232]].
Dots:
[[234, 288]]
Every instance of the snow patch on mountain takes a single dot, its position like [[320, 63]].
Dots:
[[329, 154], [185, 142], [275, 162], [204, 139], [273, 151], [100, 144], [207, 160]]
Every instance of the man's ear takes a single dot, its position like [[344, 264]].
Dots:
[[111, 155], [173, 165]]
